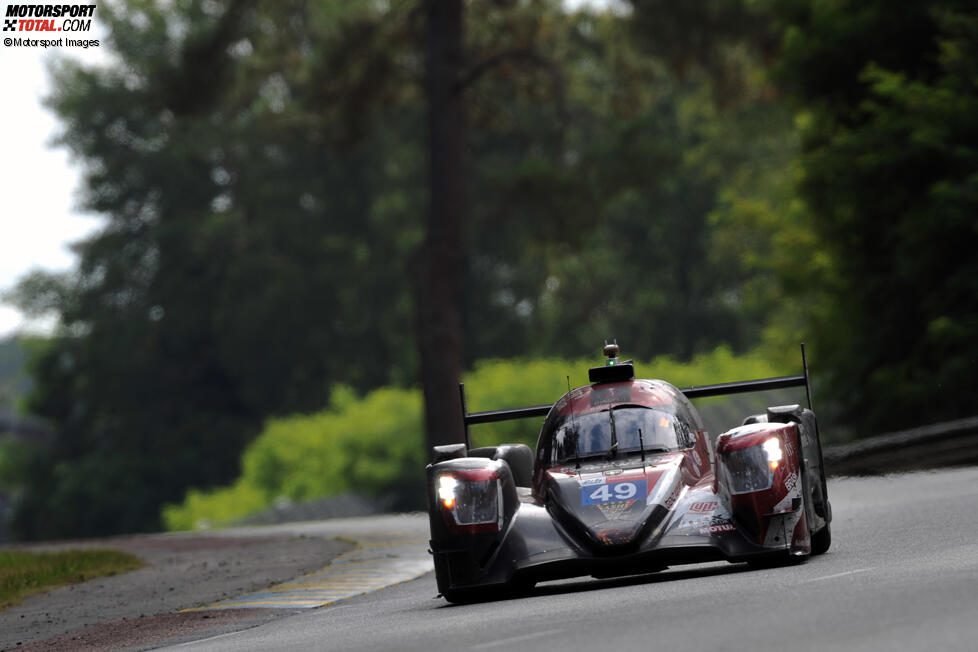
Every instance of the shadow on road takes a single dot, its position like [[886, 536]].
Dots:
[[592, 584], [581, 584]]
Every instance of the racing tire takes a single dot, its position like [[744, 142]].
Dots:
[[466, 596], [785, 557], [775, 560], [514, 589], [822, 540], [817, 503]]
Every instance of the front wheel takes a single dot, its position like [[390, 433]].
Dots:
[[514, 589], [775, 560], [822, 540], [466, 596]]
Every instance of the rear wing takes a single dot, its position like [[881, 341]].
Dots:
[[698, 391]]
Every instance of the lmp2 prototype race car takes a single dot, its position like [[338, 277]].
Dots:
[[626, 480]]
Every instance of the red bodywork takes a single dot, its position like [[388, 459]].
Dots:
[[766, 517], [639, 489]]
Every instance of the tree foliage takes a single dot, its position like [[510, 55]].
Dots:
[[246, 257], [13, 380], [887, 103], [262, 169], [372, 445]]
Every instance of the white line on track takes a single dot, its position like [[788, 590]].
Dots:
[[210, 638], [514, 639], [829, 577]]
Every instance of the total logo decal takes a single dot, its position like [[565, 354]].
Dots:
[[717, 528], [705, 525]]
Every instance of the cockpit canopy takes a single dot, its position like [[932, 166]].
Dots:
[[617, 419], [616, 431]]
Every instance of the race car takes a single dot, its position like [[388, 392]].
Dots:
[[626, 480]]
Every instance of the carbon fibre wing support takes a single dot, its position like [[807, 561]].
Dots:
[[492, 416], [505, 415], [698, 391], [744, 386], [760, 385]]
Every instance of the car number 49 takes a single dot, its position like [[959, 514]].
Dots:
[[606, 493]]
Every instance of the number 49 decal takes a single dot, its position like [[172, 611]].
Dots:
[[615, 492]]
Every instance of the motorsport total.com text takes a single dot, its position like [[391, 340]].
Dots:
[[43, 18]]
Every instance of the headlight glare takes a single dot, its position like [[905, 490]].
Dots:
[[773, 449], [446, 490], [472, 499]]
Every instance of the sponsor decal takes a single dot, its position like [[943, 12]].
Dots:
[[702, 507], [673, 497], [693, 525], [791, 481], [788, 448], [611, 537], [697, 460], [615, 492], [612, 511], [719, 527], [590, 481]]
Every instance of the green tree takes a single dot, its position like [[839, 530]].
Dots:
[[661, 137], [887, 101], [244, 262], [261, 166], [13, 359]]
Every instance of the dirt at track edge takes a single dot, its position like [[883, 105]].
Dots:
[[137, 610]]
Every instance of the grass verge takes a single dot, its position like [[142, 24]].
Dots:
[[26, 573]]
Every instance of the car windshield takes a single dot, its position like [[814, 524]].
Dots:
[[588, 435]]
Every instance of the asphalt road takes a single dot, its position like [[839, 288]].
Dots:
[[902, 574]]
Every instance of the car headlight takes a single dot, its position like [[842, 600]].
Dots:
[[472, 499], [446, 490], [772, 447], [752, 468]]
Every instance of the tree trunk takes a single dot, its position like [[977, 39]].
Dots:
[[439, 269]]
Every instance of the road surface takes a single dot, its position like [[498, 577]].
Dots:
[[902, 574]]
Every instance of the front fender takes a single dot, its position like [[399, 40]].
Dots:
[[759, 479], [471, 503]]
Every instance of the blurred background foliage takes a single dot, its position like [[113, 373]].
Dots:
[[374, 445], [709, 182]]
